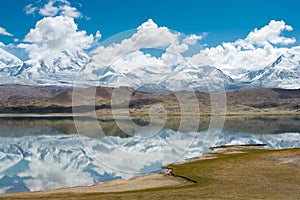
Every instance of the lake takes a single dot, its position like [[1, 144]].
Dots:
[[41, 153]]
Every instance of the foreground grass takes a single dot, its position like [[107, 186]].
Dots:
[[252, 174]]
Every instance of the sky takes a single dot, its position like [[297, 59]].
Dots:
[[232, 35], [223, 20]]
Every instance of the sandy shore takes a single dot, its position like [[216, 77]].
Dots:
[[157, 180]]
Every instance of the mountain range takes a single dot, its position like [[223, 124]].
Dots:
[[284, 72]]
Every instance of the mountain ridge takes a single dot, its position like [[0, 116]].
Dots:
[[69, 67]]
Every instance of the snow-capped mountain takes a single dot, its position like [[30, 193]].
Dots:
[[42, 162], [59, 70], [284, 72], [9, 63], [174, 78]]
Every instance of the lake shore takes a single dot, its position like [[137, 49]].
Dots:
[[106, 114], [249, 172]]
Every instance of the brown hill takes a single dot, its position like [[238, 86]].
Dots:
[[62, 98], [14, 92], [263, 100], [247, 101]]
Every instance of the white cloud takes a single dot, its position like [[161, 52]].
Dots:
[[192, 39], [98, 35], [70, 11], [270, 33], [54, 8], [30, 9], [135, 60], [3, 31], [49, 9], [173, 54], [56, 32], [148, 35], [256, 51], [52, 35]]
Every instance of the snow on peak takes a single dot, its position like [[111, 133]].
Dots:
[[8, 60], [284, 72]]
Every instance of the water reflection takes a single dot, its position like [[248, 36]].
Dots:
[[25, 126], [43, 153]]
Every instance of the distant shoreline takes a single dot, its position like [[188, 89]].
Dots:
[[137, 115]]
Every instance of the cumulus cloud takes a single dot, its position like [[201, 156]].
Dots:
[[52, 35], [173, 54], [270, 34], [147, 35], [254, 52], [3, 31], [98, 35], [49, 9], [55, 41], [70, 11], [54, 8]]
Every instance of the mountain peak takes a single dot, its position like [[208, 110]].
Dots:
[[8, 60], [277, 61], [284, 72]]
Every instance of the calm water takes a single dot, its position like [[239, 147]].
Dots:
[[45, 153]]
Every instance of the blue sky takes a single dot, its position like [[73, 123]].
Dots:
[[223, 20]]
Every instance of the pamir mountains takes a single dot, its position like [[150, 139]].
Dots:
[[142, 70]]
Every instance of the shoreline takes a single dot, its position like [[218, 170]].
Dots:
[[120, 115], [167, 179]]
